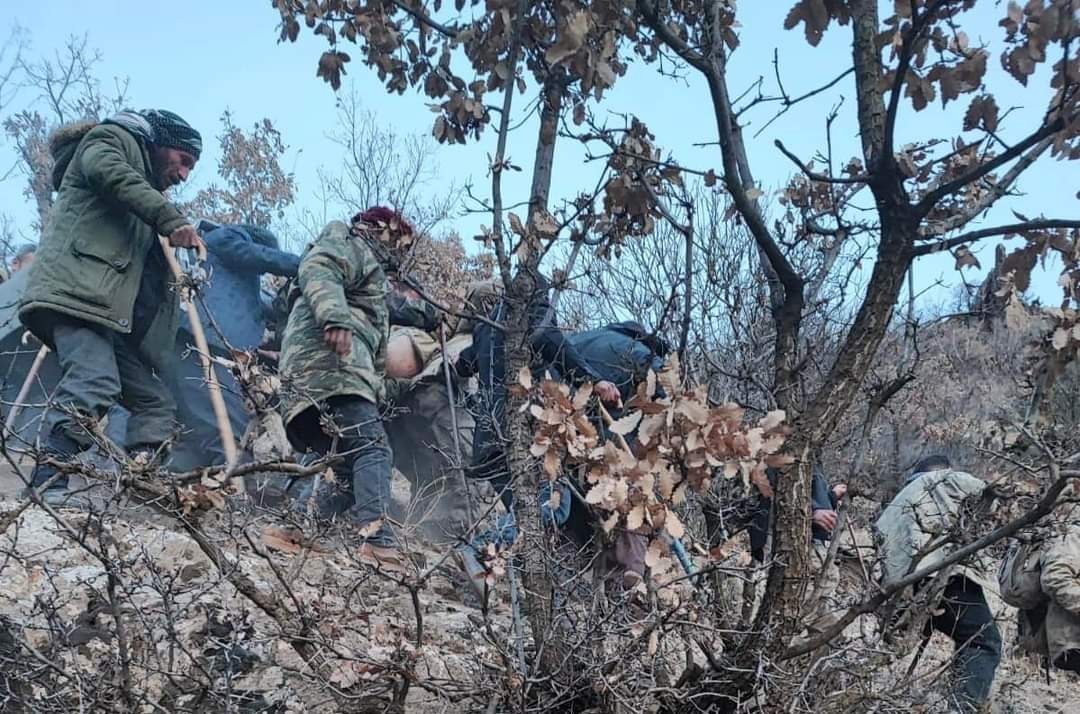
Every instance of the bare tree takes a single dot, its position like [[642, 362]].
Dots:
[[382, 166], [256, 189], [64, 88]]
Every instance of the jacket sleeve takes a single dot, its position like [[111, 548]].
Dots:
[[324, 271], [237, 250], [105, 167], [411, 312], [821, 498], [557, 351], [1061, 571]]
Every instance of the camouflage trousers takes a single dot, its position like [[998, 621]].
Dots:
[[422, 437]]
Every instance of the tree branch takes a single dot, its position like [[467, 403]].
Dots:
[[972, 236], [930, 200], [999, 189], [907, 51], [1045, 506], [815, 176], [424, 19]]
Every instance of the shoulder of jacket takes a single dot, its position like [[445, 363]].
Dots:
[[105, 131], [224, 234], [334, 230]]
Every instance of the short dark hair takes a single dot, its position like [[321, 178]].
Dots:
[[24, 250], [935, 462]]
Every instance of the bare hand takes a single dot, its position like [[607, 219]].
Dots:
[[840, 490], [825, 519], [339, 339], [184, 237], [608, 393]]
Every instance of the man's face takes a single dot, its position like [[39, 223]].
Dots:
[[171, 166]]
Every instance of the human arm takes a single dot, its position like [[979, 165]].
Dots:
[[236, 249], [324, 271]]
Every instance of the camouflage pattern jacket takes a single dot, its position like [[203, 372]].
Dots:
[[340, 284]]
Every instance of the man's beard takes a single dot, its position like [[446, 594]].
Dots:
[[158, 172]]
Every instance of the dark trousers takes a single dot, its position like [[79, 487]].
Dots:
[[100, 368], [361, 487], [200, 444], [489, 455], [966, 618]]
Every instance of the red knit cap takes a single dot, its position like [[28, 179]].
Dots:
[[382, 214]]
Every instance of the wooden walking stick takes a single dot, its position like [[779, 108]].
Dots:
[[228, 439], [24, 390]]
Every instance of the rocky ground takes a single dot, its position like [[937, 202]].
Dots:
[[172, 625]]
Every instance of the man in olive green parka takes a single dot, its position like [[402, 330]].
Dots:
[[99, 292]]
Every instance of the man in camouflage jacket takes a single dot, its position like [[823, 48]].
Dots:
[[333, 362]]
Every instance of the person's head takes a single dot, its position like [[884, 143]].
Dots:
[[24, 257], [388, 233], [402, 361], [174, 149], [935, 462]]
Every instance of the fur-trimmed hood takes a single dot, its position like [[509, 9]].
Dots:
[[62, 145]]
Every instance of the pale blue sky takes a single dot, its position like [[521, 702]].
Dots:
[[203, 56]]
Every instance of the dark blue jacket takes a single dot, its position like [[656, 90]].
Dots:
[[618, 357], [234, 294], [486, 357], [821, 499]]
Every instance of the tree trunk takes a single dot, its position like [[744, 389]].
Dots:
[[550, 110]]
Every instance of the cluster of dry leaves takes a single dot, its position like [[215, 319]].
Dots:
[[679, 442]]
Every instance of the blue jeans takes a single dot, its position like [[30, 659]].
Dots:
[[505, 531], [362, 477]]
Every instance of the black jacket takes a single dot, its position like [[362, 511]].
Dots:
[[821, 498], [486, 357]]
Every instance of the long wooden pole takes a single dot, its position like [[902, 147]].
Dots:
[[228, 439], [24, 391]]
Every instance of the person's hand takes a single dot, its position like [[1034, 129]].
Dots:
[[608, 393], [184, 237], [825, 519], [339, 339], [840, 490]]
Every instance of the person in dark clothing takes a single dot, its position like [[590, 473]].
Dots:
[[622, 353], [237, 256], [818, 612], [486, 359]]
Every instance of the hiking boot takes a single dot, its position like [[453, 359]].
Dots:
[[475, 572]]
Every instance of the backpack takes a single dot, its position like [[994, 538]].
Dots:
[[1019, 576]]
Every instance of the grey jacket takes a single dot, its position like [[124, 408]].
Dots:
[[910, 527]]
